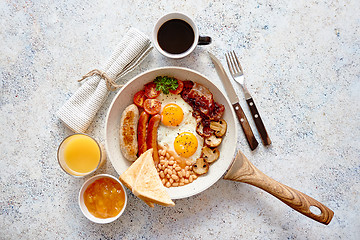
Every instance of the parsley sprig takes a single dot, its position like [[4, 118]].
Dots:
[[165, 83]]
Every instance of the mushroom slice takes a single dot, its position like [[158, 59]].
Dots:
[[219, 127], [213, 141], [201, 166], [200, 130], [210, 155]]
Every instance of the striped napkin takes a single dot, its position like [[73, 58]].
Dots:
[[79, 111]]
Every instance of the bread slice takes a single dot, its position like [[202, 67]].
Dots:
[[129, 176], [143, 180], [148, 185]]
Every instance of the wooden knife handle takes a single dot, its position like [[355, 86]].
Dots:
[[242, 170], [245, 126], [258, 122]]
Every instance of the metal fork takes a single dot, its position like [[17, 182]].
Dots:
[[238, 75]]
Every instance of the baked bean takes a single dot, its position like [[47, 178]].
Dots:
[[191, 178], [166, 164], [183, 172], [177, 169], [175, 177], [163, 181], [171, 180], [180, 174], [171, 162], [194, 176], [182, 180], [162, 175], [168, 176], [186, 168], [167, 155], [161, 158], [170, 167], [165, 171], [187, 174], [181, 184], [172, 158], [175, 184], [170, 171], [168, 184], [186, 181]]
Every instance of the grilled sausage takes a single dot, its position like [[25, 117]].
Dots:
[[141, 132], [151, 138], [128, 132]]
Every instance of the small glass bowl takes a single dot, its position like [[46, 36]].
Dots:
[[68, 170], [83, 207]]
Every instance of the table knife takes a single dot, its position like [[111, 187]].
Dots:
[[235, 103]]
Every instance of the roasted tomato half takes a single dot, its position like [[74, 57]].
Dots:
[[179, 88], [152, 106], [139, 98], [150, 90]]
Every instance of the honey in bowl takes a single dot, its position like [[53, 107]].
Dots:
[[104, 198]]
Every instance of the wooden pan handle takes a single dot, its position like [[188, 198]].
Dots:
[[242, 170]]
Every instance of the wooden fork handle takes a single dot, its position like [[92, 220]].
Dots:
[[242, 170], [245, 126], [258, 122]]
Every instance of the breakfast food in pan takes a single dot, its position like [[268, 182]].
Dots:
[[182, 123]]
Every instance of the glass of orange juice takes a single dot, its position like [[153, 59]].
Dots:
[[80, 155]]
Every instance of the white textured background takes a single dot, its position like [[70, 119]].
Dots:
[[301, 60]]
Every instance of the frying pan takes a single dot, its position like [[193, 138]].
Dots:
[[240, 169]]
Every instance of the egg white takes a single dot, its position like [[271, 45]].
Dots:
[[166, 134]]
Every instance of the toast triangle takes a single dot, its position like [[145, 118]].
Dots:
[[128, 178], [148, 185]]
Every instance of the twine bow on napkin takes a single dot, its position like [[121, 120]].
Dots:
[[79, 111], [110, 83]]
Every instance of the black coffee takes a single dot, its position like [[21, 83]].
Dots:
[[175, 36]]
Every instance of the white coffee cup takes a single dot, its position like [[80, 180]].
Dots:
[[198, 40]]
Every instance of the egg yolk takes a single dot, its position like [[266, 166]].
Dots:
[[172, 115], [185, 144]]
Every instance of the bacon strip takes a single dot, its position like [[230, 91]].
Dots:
[[202, 101]]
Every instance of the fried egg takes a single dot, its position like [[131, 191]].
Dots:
[[177, 129]]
